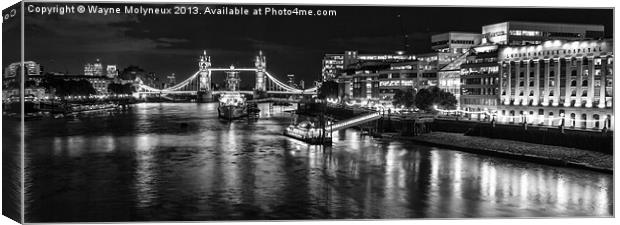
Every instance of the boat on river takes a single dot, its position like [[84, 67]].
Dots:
[[308, 132], [232, 106]]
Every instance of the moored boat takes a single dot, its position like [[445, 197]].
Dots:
[[308, 132], [232, 106]]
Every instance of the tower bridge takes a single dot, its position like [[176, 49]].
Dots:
[[199, 83]]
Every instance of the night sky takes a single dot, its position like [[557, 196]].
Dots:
[[293, 44]]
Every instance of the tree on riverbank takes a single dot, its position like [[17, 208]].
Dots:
[[328, 89], [115, 88], [404, 98], [63, 88], [426, 98]]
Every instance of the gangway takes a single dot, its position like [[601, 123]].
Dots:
[[356, 121]]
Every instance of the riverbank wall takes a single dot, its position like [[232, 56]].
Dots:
[[582, 139]]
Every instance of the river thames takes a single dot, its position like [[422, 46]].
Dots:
[[178, 161]]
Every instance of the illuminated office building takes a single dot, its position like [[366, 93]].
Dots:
[[449, 76], [521, 33], [558, 80], [479, 79], [332, 64], [30, 69], [454, 42], [111, 71], [172, 80], [93, 69], [379, 80], [335, 64]]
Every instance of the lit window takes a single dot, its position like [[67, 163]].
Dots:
[[597, 62]]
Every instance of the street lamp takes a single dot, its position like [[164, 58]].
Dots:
[[524, 121], [562, 115]]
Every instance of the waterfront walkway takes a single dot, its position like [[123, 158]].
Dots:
[[555, 155]]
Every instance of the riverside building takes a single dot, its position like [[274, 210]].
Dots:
[[522, 33], [335, 64], [454, 42], [479, 76], [377, 81], [558, 81], [480, 80]]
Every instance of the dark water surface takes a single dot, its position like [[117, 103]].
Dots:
[[180, 162]]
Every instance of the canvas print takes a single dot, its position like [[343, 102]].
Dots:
[[137, 111]]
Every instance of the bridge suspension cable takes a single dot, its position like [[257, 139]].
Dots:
[[279, 86]]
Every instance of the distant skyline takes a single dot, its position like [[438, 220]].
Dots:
[[166, 44]]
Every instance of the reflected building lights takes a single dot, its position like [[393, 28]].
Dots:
[[145, 193], [484, 179], [458, 161], [524, 188], [434, 170], [58, 145], [561, 192], [492, 182], [75, 145]]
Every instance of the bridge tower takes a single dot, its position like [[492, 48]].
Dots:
[[204, 91], [261, 65]]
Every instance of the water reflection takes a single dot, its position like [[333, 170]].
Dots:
[[180, 162]]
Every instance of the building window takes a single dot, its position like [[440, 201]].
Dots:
[[597, 61], [584, 83], [573, 83], [597, 123]]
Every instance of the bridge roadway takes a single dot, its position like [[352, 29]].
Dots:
[[222, 92]]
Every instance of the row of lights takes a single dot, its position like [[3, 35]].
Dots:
[[494, 114], [88, 97], [366, 103]]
